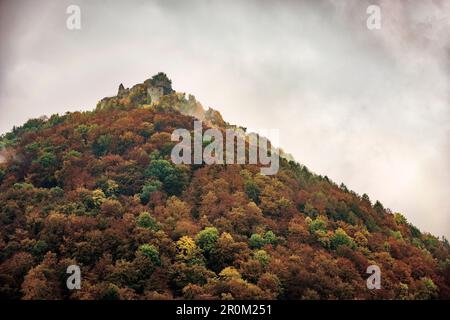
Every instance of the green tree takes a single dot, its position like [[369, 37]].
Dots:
[[252, 190], [39, 248], [396, 234], [83, 131], [72, 154], [207, 238], [256, 241], [111, 292], [102, 144], [317, 224], [148, 189], [174, 178], [262, 256], [43, 170], [145, 220], [270, 238], [161, 80], [340, 238], [47, 160], [150, 252]]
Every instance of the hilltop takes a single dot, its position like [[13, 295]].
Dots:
[[98, 189]]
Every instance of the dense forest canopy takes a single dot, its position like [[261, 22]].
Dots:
[[97, 189]]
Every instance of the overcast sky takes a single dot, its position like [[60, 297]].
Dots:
[[369, 108]]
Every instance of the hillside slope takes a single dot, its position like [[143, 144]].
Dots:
[[98, 189]]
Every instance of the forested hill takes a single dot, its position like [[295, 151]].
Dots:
[[98, 189]]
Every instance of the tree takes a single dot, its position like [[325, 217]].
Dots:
[[188, 251], [148, 189], [36, 286], [42, 171], [102, 144], [174, 179], [12, 272], [229, 273], [252, 190], [98, 197], [273, 202], [256, 241], [39, 248], [72, 154], [182, 274], [175, 211], [145, 220], [426, 289], [378, 207], [111, 292], [161, 80], [232, 286], [340, 238], [270, 238], [270, 282], [207, 238], [396, 234], [224, 252], [193, 291], [83, 131], [150, 251], [111, 208], [42, 282], [111, 188], [262, 256], [361, 239], [317, 224]]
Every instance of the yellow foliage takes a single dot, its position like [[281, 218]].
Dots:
[[230, 273]]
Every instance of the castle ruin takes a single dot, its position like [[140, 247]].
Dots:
[[155, 93]]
